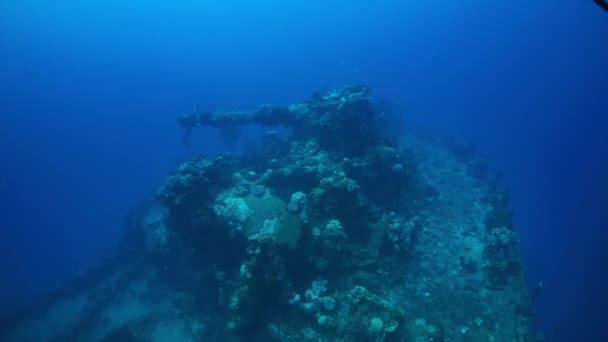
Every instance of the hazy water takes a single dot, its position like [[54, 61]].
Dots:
[[89, 93]]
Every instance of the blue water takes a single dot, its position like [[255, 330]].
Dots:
[[89, 94]]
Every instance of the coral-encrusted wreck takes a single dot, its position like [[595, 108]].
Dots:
[[333, 231]]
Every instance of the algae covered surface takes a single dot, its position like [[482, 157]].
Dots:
[[337, 228]]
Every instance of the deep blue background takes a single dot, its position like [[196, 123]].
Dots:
[[89, 93]]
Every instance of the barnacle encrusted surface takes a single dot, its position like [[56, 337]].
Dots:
[[333, 231]]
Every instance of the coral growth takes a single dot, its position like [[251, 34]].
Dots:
[[339, 232]]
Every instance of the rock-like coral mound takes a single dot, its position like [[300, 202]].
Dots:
[[333, 231]]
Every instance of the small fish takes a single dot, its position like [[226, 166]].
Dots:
[[602, 3]]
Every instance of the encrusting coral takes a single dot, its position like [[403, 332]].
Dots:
[[335, 230], [365, 216]]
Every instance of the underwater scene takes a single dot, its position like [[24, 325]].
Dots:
[[304, 171]]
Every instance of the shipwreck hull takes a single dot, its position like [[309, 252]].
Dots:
[[336, 230]]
